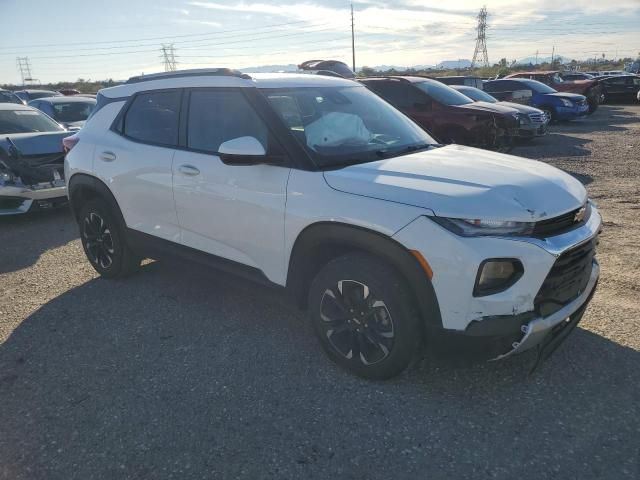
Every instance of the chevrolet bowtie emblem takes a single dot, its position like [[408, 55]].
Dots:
[[579, 215]]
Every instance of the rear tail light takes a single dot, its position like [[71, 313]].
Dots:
[[69, 142]]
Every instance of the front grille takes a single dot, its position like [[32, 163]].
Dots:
[[562, 224], [567, 279], [538, 117]]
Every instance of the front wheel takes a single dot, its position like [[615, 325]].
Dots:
[[364, 316], [550, 113], [103, 241]]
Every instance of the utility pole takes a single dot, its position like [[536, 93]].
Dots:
[[480, 53], [553, 52], [353, 42], [25, 69], [168, 57], [537, 57]]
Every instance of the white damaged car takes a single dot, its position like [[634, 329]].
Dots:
[[316, 185]]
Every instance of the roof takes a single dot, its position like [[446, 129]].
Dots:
[[406, 78], [15, 106], [212, 78], [537, 72], [35, 90], [65, 99]]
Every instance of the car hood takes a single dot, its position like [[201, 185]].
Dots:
[[465, 182], [486, 107], [521, 108], [574, 97]]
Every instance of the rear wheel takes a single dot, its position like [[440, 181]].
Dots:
[[103, 241], [364, 316]]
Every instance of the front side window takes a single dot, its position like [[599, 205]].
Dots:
[[443, 93], [536, 86], [154, 118], [216, 116], [477, 95], [26, 121], [345, 125], [9, 97]]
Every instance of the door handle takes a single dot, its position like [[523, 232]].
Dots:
[[189, 170], [107, 156]]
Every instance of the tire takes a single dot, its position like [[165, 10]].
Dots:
[[103, 241], [384, 335]]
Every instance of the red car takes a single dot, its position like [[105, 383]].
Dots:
[[447, 114], [589, 88]]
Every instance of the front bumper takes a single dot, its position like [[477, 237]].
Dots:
[[538, 329], [16, 199], [513, 320], [568, 113]]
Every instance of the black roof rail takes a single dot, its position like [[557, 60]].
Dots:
[[196, 72]]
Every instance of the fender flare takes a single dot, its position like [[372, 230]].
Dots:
[[322, 241], [81, 183]]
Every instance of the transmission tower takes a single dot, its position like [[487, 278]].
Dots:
[[25, 69], [480, 55], [168, 57]]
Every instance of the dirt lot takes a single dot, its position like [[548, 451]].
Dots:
[[176, 373]]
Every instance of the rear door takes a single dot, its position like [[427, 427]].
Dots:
[[134, 160], [234, 212]]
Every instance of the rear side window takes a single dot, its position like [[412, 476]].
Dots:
[[216, 116], [154, 118]]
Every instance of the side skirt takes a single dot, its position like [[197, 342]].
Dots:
[[150, 246]]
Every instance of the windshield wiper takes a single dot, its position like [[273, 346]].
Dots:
[[408, 149]]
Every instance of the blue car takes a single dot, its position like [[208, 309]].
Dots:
[[557, 105]]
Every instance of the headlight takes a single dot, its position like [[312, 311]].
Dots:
[[496, 275], [524, 118], [478, 228], [566, 103]]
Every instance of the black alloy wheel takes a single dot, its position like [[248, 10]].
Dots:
[[356, 323], [98, 241], [364, 316]]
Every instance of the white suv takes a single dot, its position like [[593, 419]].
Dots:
[[317, 185]]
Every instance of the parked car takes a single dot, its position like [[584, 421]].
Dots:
[[533, 122], [446, 113], [71, 112], [621, 88], [69, 91], [557, 106], [324, 67], [27, 95], [318, 186], [31, 160], [468, 80], [571, 76], [7, 96], [589, 88]]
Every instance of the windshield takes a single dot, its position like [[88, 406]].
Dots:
[[477, 95], [26, 121], [72, 111], [8, 97], [443, 93], [538, 87], [346, 125]]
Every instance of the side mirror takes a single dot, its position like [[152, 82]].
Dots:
[[242, 151]]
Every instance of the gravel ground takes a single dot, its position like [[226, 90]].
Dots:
[[176, 373]]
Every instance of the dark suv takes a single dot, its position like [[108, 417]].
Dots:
[[448, 114]]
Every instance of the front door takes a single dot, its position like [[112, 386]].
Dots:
[[233, 212]]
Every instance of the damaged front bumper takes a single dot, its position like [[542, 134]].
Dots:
[[16, 199]]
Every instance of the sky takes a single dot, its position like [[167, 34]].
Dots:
[[71, 39]]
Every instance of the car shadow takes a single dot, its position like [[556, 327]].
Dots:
[[176, 372], [21, 238], [553, 145]]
